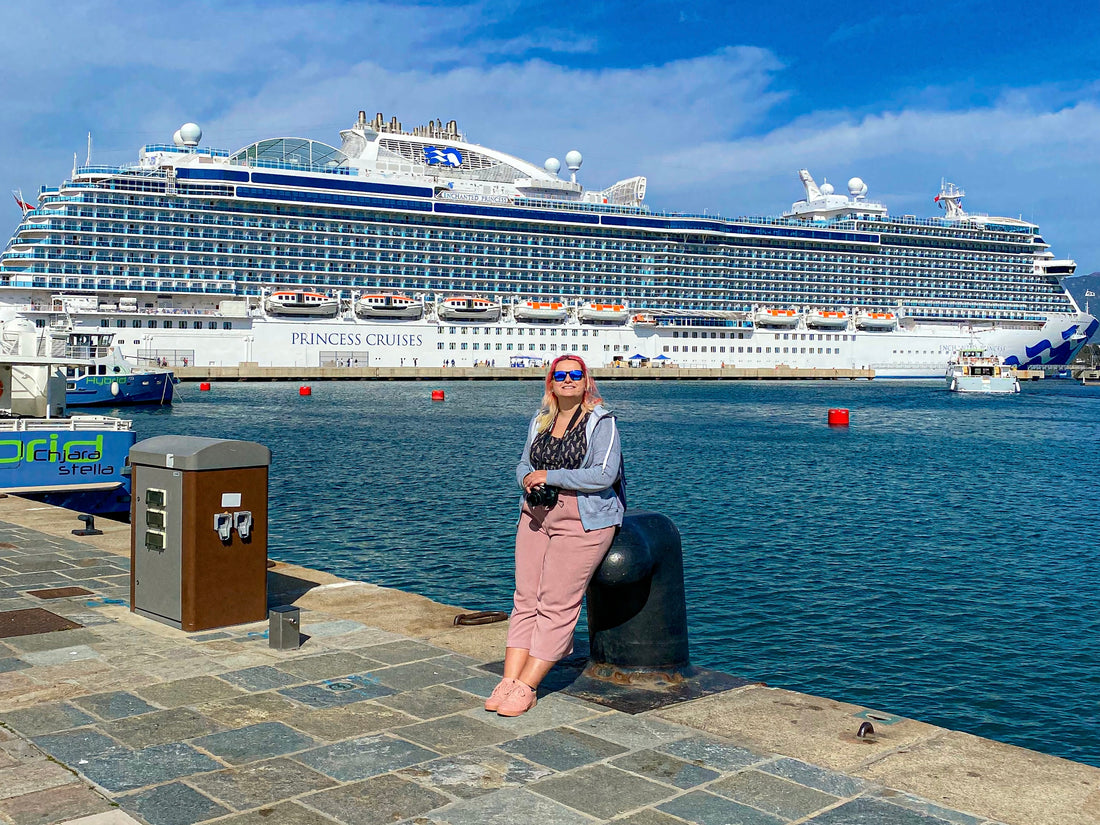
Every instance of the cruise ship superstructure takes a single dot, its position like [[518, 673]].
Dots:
[[419, 247]]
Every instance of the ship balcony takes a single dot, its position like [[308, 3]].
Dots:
[[99, 171]]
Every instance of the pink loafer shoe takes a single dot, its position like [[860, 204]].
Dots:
[[518, 701], [503, 688]]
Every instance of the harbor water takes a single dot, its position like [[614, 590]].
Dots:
[[936, 559]]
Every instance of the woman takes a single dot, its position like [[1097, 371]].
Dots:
[[572, 448]]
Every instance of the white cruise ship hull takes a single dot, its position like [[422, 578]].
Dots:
[[921, 351]]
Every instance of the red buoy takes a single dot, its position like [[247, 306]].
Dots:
[[437, 395], [838, 418], [305, 391], [204, 386]]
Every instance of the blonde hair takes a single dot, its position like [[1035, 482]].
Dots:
[[549, 409]]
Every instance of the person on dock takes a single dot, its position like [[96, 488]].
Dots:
[[573, 504]]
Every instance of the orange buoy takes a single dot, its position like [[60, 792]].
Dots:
[[838, 418], [204, 386], [305, 391], [437, 395]]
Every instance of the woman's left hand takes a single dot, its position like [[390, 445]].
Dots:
[[533, 479]]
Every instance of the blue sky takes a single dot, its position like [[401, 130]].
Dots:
[[717, 103]]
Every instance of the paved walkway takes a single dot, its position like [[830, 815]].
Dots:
[[121, 719]]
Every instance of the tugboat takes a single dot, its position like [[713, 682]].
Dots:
[[111, 379], [973, 371]]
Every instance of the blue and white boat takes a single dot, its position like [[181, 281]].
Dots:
[[79, 462], [111, 379]]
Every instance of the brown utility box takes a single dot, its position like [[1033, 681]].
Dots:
[[198, 531]]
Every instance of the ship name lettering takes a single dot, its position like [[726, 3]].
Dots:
[[355, 339], [41, 450]]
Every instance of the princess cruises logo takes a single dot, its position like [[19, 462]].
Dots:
[[435, 156]]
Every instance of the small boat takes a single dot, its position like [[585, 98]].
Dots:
[[877, 320], [81, 463], [973, 371], [643, 319], [111, 379], [596, 312], [469, 308], [388, 305], [295, 302], [539, 311], [769, 317], [827, 319]]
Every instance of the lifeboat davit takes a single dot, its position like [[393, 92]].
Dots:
[[469, 309], [539, 311], [768, 317], [827, 319], [297, 302], [599, 313], [877, 320], [387, 305]]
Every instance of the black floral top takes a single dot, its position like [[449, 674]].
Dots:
[[565, 453]]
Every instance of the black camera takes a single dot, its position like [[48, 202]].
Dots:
[[542, 496]]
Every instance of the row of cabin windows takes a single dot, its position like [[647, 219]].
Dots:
[[789, 350], [152, 323], [510, 347]]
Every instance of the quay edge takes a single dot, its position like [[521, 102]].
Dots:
[[950, 772], [253, 372]]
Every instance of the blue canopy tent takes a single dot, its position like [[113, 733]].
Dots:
[[662, 357], [637, 357]]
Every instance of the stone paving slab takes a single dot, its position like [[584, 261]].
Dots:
[[172, 804], [361, 725], [255, 784], [476, 772], [365, 756], [603, 791], [58, 804]]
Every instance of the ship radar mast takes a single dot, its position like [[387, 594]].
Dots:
[[950, 201], [573, 160]]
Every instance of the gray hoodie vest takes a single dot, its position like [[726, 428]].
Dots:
[[600, 488]]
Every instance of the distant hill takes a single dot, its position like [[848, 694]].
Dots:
[[1078, 285]]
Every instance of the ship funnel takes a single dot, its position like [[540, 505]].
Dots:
[[362, 119]]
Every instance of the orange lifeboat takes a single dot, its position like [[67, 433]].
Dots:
[[300, 302], [597, 312], [539, 311], [877, 320], [770, 317], [827, 319], [388, 305], [468, 308]]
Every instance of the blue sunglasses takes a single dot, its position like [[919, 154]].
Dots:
[[576, 375]]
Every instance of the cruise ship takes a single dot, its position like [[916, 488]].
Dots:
[[418, 247]]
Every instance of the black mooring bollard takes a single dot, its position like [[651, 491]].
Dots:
[[637, 612]]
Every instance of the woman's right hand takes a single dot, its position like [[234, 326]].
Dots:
[[533, 479]]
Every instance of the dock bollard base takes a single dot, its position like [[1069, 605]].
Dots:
[[284, 628]]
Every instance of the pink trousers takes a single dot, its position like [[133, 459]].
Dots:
[[555, 559]]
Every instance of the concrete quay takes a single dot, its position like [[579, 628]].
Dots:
[[377, 719], [254, 372]]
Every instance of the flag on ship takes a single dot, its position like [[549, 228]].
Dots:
[[26, 207]]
